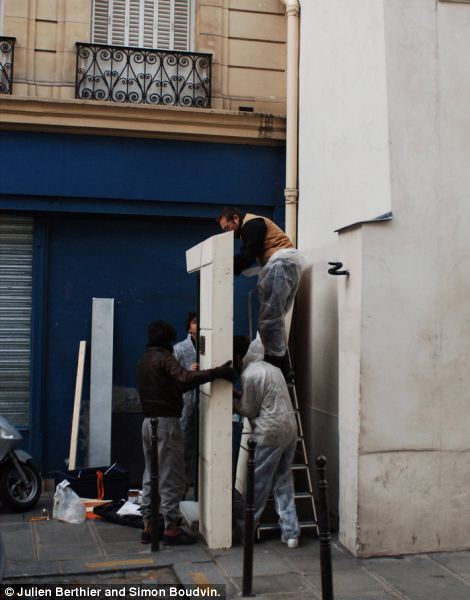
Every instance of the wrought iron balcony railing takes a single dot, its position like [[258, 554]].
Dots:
[[7, 53], [143, 76]]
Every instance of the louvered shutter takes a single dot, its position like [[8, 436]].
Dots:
[[119, 33], [150, 25], [163, 24], [135, 23], [16, 260], [100, 26], [181, 25]]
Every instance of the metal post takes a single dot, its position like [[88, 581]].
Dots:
[[155, 493], [249, 536], [324, 532]]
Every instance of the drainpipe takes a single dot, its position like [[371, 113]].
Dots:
[[291, 193]]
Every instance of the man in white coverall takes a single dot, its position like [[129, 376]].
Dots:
[[265, 401]]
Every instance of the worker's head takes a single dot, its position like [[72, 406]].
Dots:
[[161, 334], [230, 219], [240, 347], [191, 325]]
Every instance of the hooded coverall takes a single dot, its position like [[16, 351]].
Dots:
[[265, 401]]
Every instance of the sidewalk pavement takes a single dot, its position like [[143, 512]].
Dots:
[[100, 552]]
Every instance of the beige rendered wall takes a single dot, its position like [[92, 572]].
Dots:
[[403, 313], [46, 32], [246, 37]]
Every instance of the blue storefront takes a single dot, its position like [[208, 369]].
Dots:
[[112, 217]]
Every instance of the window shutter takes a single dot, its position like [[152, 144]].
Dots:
[[181, 25], [135, 23], [100, 21], [164, 37], [118, 22], [149, 26], [163, 24]]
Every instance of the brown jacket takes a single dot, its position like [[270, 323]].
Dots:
[[161, 381]]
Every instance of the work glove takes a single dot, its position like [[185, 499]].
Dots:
[[225, 371]]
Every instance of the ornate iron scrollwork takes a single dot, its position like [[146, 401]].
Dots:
[[143, 76], [7, 49]]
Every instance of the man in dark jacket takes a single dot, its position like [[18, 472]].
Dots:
[[279, 265], [161, 382]]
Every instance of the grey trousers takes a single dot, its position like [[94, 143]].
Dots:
[[171, 476]]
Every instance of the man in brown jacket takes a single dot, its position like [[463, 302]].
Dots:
[[161, 380], [278, 279]]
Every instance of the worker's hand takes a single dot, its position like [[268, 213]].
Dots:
[[226, 372], [195, 366]]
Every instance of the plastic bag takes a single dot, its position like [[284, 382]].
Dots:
[[67, 505]]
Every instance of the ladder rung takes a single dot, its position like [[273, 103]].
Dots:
[[273, 526], [299, 467], [302, 495]]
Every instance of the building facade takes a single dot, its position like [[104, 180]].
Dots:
[[384, 130], [125, 125]]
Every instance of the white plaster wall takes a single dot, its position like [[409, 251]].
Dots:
[[414, 446], [411, 336], [343, 178]]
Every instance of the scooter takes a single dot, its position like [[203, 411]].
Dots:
[[20, 480]]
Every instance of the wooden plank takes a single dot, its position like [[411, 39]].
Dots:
[[76, 405]]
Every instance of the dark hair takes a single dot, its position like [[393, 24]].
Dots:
[[229, 212], [161, 333], [191, 317], [240, 345]]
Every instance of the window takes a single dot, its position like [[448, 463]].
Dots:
[[162, 24]]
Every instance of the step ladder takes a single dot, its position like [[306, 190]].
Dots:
[[304, 498]]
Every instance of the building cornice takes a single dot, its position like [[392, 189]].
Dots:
[[98, 118]]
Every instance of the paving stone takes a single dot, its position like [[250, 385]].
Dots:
[[55, 533], [265, 563], [123, 548], [350, 581], [291, 584], [109, 532], [69, 552], [18, 541], [420, 578], [458, 562]]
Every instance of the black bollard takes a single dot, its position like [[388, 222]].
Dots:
[[324, 532], [249, 537], [155, 493]]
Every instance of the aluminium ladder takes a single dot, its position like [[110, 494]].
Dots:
[[304, 497]]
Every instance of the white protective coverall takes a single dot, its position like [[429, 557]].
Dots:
[[277, 285], [266, 403]]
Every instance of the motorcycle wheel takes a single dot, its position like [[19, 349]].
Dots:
[[16, 494]]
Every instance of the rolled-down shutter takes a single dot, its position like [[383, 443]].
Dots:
[[16, 262]]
